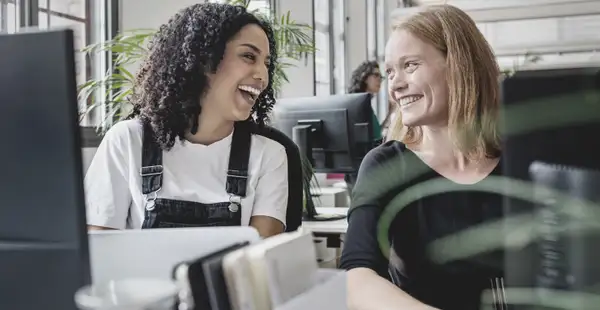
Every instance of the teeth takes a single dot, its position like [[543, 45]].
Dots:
[[254, 91], [409, 99]]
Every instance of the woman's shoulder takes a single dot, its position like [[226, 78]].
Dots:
[[125, 131], [268, 150], [122, 136], [384, 153], [266, 143], [382, 171], [270, 140]]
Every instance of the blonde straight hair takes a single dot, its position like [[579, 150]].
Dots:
[[473, 80]]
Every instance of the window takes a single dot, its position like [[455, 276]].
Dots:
[[323, 40], [380, 11], [371, 29], [339, 46], [73, 14], [89, 20], [9, 16], [261, 5]]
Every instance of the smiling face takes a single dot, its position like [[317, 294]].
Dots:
[[240, 77], [417, 80]]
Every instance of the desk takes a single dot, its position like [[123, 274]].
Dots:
[[328, 236], [328, 227]]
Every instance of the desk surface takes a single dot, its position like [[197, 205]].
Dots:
[[335, 227]]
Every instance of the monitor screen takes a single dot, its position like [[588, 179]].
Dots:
[[43, 240]]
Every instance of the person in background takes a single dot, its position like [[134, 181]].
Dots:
[[366, 78], [405, 249], [189, 157]]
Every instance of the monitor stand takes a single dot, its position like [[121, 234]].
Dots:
[[301, 136]]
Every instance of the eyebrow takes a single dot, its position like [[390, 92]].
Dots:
[[402, 58], [409, 56], [255, 49]]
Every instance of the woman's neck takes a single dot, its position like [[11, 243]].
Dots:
[[437, 146], [438, 150], [210, 130]]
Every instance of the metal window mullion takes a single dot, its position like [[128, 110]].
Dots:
[[115, 28], [48, 15], [112, 22], [331, 47], [3, 16], [28, 13]]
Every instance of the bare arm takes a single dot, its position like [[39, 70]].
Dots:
[[266, 225], [106, 182], [367, 290], [270, 201]]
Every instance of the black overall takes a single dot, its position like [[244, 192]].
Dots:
[[167, 213]]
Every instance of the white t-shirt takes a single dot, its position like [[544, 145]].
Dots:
[[191, 172]]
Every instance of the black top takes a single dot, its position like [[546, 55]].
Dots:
[[427, 270]]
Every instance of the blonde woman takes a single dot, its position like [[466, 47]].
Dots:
[[443, 75]]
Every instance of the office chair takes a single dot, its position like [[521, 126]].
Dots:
[[295, 206]]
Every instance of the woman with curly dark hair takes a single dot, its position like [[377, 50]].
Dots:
[[189, 155], [366, 78]]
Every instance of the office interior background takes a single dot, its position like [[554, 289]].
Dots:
[[346, 32]]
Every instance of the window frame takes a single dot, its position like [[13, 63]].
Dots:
[[101, 24]]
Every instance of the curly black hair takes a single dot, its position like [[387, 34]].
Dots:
[[358, 81], [181, 54]]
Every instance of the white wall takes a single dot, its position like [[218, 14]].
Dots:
[[302, 77], [136, 14]]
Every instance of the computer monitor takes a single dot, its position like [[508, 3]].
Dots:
[[43, 241], [333, 132], [550, 115]]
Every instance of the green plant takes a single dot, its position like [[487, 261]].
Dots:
[[112, 92]]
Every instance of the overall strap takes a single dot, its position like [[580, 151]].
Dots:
[[152, 169], [239, 155]]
